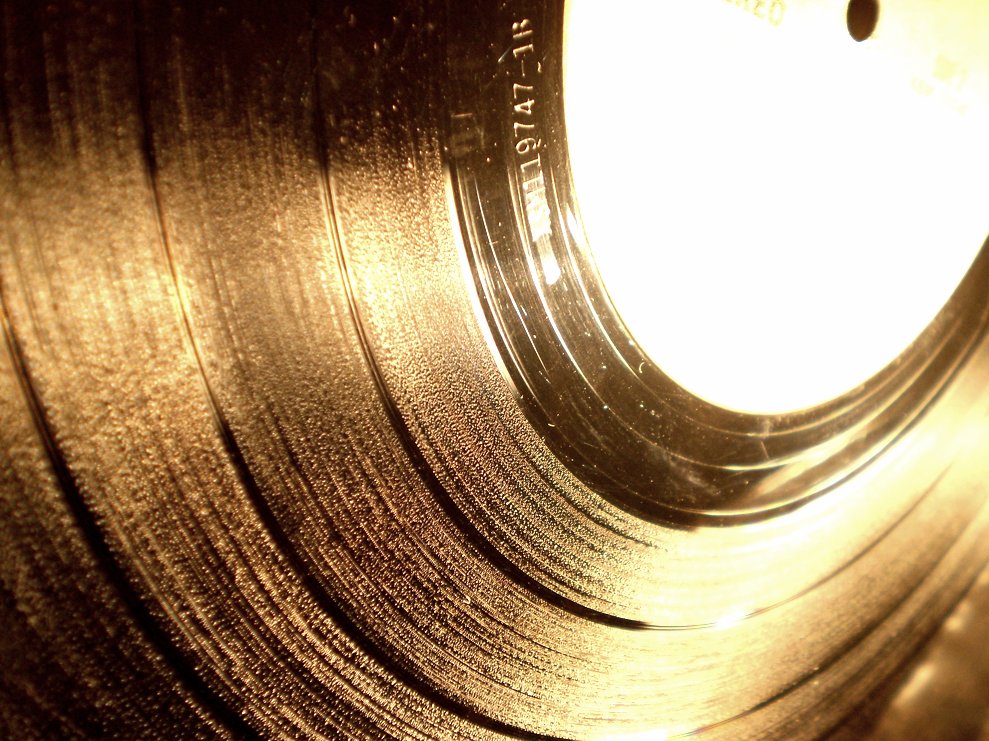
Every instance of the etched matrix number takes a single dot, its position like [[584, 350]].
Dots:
[[526, 133]]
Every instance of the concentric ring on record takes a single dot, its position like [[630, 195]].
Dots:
[[297, 443]]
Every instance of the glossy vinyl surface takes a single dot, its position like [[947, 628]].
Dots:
[[269, 469]]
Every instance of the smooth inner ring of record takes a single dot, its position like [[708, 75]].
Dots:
[[776, 231], [603, 405]]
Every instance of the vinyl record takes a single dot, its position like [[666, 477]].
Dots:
[[474, 370]]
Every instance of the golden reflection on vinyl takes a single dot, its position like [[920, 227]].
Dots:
[[327, 412]]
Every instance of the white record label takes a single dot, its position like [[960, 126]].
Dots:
[[777, 209]]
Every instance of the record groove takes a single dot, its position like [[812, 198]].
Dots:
[[249, 271]]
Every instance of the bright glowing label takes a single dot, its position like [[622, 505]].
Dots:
[[776, 209]]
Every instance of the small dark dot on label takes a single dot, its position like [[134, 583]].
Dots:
[[862, 17]]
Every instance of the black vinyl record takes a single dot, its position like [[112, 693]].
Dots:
[[300, 438]]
